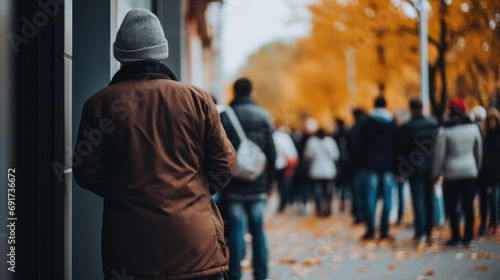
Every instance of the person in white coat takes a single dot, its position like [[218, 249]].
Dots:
[[322, 152], [286, 160], [458, 158]]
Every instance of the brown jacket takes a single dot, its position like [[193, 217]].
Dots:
[[155, 150]]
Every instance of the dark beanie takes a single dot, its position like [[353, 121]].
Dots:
[[140, 37]]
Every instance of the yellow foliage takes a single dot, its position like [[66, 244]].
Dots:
[[358, 50]]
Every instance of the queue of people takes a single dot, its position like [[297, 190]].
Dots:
[[379, 154], [158, 166]]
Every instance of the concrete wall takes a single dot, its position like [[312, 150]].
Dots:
[[91, 72]]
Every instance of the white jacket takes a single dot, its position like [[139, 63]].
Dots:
[[285, 149], [322, 154], [458, 152]]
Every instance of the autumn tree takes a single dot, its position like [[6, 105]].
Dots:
[[463, 61], [357, 50]]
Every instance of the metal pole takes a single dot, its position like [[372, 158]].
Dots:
[[424, 61]]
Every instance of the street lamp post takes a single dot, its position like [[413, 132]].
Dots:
[[424, 61]]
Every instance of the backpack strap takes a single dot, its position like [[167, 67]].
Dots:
[[236, 123]]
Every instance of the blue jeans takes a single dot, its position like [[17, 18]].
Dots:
[[422, 194], [374, 182], [358, 197], [284, 189], [494, 206], [323, 193], [237, 211]]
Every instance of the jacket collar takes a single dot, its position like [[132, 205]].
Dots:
[[457, 119], [143, 69], [243, 100], [381, 114]]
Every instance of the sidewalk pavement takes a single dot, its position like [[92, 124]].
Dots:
[[304, 247]]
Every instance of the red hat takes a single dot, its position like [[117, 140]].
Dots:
[[457, 105]]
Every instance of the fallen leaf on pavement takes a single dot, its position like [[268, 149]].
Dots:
[[473, 256], [287, 261], [459, 256], [391, 266], [402, 255], [481, 268], [310, 262], [369, 256], [430, 272]]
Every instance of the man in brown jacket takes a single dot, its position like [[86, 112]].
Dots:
[[156, 151]]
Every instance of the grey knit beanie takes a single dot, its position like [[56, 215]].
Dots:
[[140, 37]]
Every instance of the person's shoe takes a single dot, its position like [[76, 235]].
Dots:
[[387, 238], [481, 232], [452, 243], [428, 240], [497, 230], [420, 239], [491, 230], [367, 236], [342, 206], [468, 242]]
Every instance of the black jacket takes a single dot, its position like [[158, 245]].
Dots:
[[257, 124], [490, 174], [354, 145], [377, 140], [416, 145]]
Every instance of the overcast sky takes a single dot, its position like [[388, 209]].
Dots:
[[251, 24]]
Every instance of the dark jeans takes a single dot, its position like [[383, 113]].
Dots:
[[384, 183], [358, 197], [422, 194], [453, 191], [401, 200], [237, 211], [284, 189], [491, 202], [300, 185], [323, 193]]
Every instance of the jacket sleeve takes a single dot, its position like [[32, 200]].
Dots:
[[89, 165], [270, 152], [307, 150], [220, 158], [335, 150], [478, 150], [439, 154], [400, 144]]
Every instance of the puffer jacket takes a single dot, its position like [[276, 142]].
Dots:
[[322, 155], [257, 124], [416, 145], [490, 173], [377, 142], [155, 150], [458, 152]]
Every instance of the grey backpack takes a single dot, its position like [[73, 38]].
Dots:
[[251, 159]]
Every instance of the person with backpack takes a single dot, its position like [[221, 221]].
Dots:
[[250, 130]]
